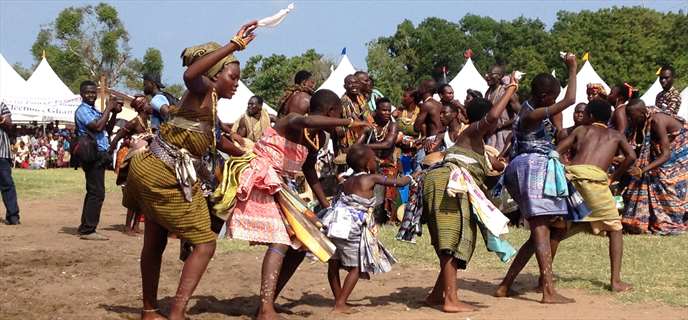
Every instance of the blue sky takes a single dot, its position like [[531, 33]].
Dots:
[[326, 26]]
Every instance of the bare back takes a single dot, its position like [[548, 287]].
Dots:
[[432, 123], [596, 145]]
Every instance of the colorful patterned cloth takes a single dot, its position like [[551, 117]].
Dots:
[[257, 217], [669, 101], [658, 201], [350, 225], [592, 183]]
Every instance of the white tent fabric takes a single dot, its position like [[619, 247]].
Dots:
[[468, 78], [683, 110], [650, 95], [230, 110], [11, 83], [586, 75], [335, 81], [44, 97]]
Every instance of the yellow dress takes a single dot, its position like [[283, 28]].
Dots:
[[153, 188]]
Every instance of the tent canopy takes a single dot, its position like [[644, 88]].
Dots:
[[468, 78], [44, 83], [650, 95], [683, 110], [335, 81], [585, 76], [230, 110]]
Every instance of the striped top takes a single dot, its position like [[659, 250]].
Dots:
[[5, 152]]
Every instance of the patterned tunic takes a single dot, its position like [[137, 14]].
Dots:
[[669, 100]]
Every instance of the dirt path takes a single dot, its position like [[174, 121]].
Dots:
[[46, 272]]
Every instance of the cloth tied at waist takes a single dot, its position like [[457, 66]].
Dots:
[[181, 161], [555, 178]]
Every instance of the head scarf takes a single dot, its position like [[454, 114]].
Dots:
[[193, 54], [596, 88]]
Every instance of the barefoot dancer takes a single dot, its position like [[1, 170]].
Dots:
[[291, 146], [451, 223], [534, 133], [161, 184], [351, 225], [594, 148]]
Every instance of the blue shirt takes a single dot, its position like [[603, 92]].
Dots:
[[86, 114], [158, 101]]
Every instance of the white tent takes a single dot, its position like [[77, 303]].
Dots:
[[44, 83], [683, 110], [11, 83], [230, 110], [650, 95], [585, 76], [468, 78], [335, 81]]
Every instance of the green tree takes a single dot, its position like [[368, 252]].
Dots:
[[151, 64], [176, 90], [268, 76], [85, 43], [23, 72]]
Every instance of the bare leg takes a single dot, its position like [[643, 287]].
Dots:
[[451, 300], [292, 261], [522, 257], [540, 233], [556, 236], [128, 223], [154, 243], [349, 284], [435, 296], [137, 221], [272, 264], [194, 268], [615, 257], [333, 278]]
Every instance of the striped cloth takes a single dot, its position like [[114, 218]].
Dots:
[[5, 152], [152, 188]]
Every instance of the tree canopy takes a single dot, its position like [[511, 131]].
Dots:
[[625, 44]]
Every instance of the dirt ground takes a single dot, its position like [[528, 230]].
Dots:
[[46, 272]]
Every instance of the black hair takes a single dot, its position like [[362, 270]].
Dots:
[[600, 109], [635, 103], [87, 83], [544, 83], [382, 100], [302, 76], [668, 67], [350, 77], [323, 100], [474, 93], [453, 106], [624, 91], [477, 109], [441, 88], [259, 99], [355, 157], [358, 73], [427, 86]]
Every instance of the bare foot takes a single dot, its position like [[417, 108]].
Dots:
[[130, 233], [269, 316], [458, 307], [504, 291], [433, 300], [345, 309], [621, 286], [556, 299], [152, 316]]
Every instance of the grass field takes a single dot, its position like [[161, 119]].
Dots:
[[656, 266]]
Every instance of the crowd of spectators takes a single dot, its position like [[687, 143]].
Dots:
[[41, 147]]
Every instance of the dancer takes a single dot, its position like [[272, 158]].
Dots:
[[297, 97], [290, 147], [350, 224], [161, 183], [657, 195], [534, 135], [451, 223]]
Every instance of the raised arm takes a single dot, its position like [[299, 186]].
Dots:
[[122, 132], [323, 122], [495, 112], [311, 176], [101, 124], [540, 114], [390, 182], [194, 74], [629, 158]]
